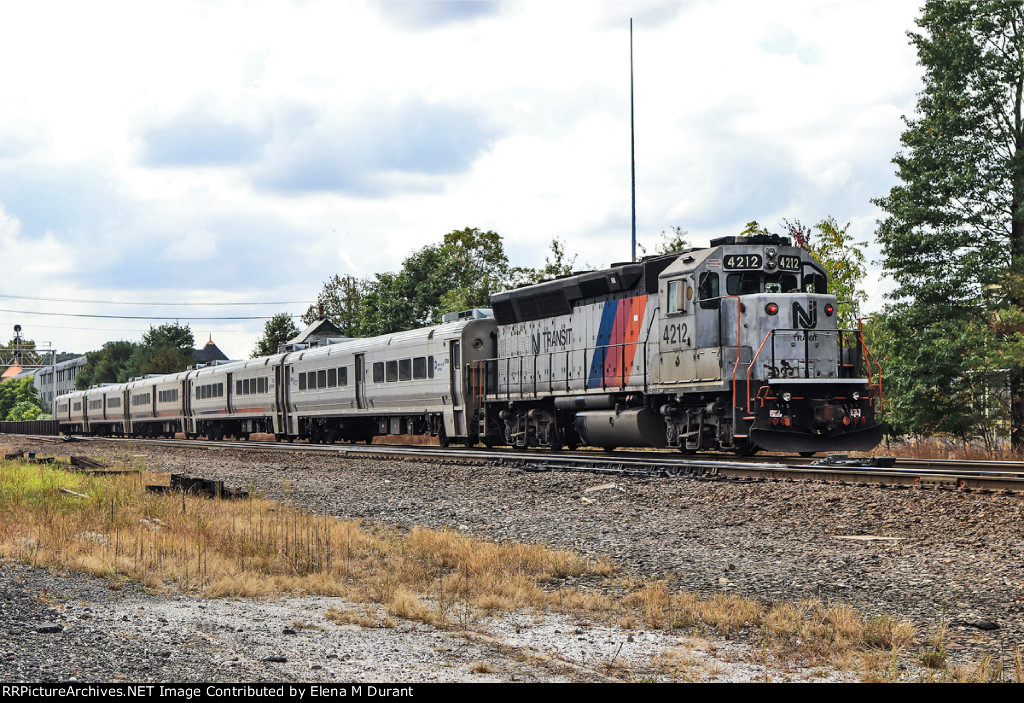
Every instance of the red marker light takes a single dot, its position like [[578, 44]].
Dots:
[[771, 308], [829, 310]]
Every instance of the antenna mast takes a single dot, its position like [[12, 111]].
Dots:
[[632, 135]]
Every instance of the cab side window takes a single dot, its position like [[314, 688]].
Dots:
[[676, 302], [708, 291]]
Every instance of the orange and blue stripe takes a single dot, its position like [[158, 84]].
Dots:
[[616, 346]]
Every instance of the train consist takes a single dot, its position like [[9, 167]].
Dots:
[[733, 348]]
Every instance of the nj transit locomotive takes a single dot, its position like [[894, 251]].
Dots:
[[731, 348]]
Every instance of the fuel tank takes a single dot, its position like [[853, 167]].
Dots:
[[637, 427]]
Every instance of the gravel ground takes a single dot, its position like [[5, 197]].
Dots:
[[927, 556]]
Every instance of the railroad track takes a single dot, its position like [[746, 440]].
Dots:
[[930, 474]]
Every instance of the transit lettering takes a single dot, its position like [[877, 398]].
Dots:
[[552, 338]]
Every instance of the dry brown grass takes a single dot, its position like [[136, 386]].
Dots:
[[363, 618], [258, 548], [950, 448]]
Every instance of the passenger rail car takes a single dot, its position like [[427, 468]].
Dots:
[[404, 383], [733, 347]]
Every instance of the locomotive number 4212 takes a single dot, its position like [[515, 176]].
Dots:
[[675, 334], [743, 261]]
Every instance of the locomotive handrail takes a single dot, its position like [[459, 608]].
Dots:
[[868, 358], [806, 334], [754, 358], [739, 351], [528, 389]]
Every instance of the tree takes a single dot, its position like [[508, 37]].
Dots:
[[555, 265], [18, 396], [167, 348], [278, 330], [953, 235], [342, 301], [841, 257], [106, 365], [169, 335], [673, 239], [460, 272], [753, 229]]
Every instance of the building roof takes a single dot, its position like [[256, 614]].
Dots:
[[320, 330], [209, 352], [10, 372]]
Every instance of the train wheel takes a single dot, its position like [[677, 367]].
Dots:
[[442, 439], [807, 454]]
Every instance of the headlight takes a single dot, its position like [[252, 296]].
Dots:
[[786, 397]]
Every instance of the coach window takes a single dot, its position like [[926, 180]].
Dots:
[[708, 291], [392, 371], [419, 368], [343, 376], [430, 367], [378, 372], [405, 370], [302, 381], [321, 379], [332, 378]]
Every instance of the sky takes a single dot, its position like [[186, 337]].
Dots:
[[226, 158]]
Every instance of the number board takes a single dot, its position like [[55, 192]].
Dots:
[[743, 261], [789, 263]]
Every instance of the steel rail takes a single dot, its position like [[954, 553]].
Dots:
[[964, 476]]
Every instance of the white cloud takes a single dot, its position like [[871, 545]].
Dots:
[[133, 134]]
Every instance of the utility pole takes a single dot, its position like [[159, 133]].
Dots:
[[632, 135]]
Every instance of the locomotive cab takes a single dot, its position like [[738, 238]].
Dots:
[[749, 332]]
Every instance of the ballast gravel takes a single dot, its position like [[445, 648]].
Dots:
[[936, 558]]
